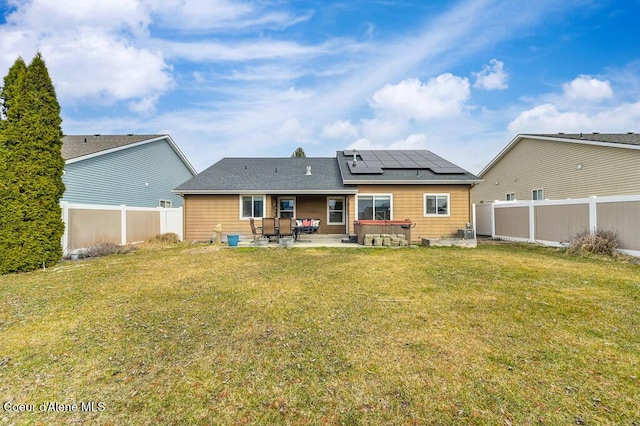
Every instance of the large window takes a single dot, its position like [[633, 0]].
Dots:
[[377, 207], [537, 194], [436, 204], [252, 206], [335, 210]]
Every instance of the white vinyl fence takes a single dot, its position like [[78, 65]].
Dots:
[[87, 224], [553, 222]]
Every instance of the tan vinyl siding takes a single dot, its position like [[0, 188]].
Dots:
[[203, 212], [408, 203], [553, 166]]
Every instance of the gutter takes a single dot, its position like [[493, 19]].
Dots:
[[264, 191]]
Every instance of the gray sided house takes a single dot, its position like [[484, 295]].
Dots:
[[560, 166], [136, 170], [354, 185]]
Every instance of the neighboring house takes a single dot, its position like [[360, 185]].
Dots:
[[393, 185], [136, 170], [559, 166]]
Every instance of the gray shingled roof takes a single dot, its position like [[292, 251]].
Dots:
[[407, 173], [630, 138], [274, 175], [74, 146]]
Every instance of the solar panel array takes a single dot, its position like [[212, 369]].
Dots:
[[374, 162]]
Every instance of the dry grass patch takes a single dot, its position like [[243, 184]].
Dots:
[[496, 335]]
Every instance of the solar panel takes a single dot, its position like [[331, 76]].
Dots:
[[362, 169], [375, 161], [447, 170]]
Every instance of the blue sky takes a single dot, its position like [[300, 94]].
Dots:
[[232, 78]]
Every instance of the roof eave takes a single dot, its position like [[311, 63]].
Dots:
[[414, 182], [264, 191]]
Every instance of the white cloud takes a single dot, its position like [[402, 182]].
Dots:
[[44, 16], [145, 105], [342, 129], [95, 66], [414, 141], [384, 130], [587, 88], [198, 15], [94, 50], [492, 77], [548, 119], [580, 108], [441, 97]]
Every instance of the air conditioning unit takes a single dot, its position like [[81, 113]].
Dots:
[[465, 234]]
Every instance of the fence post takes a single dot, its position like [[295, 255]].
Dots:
[[163, 219], [493, 219], [593, 215], [65, 219], [532, 222], [473, 219], [123, 224]]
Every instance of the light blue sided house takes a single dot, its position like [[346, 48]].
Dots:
[[136, 170]]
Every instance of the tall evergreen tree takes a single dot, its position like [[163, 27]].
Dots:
[[32, 145], [11, 207]]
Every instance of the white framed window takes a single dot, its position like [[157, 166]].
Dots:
[[537, 194], [165, 203], [374, 206], [252, 206], [436, 205], [335, 210], [287, 207], [511, 196]]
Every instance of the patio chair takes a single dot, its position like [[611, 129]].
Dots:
[[286, 227], [254, 229], [269, 227]]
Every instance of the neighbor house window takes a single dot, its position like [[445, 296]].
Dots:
[[537, 194], [436, 204], [335, 210], [165, 203], [377, 207], [510, 196], [252, 206]]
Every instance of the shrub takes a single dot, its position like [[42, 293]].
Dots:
[[105, 249], [166, 238], [600, 242]]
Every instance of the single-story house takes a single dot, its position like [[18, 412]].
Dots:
[[559, 166], [418, 185], [136, 170]]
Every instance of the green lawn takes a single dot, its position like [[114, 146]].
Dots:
[[501, 334]]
